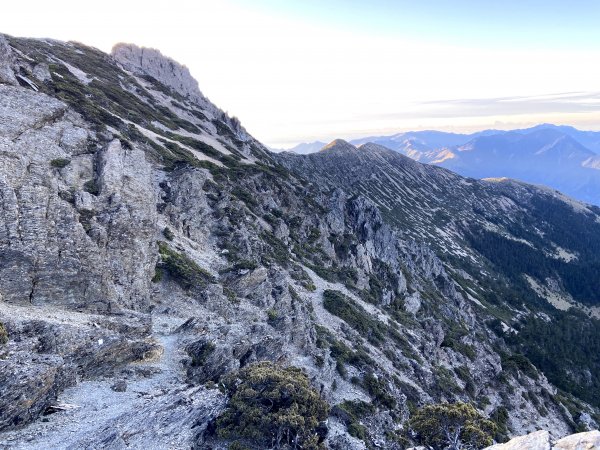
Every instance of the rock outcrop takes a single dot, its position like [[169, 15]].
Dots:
[[149, 246], [7, 75], [63, 244], [541, 440], [151, 62]]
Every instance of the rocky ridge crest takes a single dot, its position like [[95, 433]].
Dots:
[[148, 237]]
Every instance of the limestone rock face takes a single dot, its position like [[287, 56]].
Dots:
[[61, 244], [540, 440], [7, 75], [49, 349], [152, 62], [581, 441]]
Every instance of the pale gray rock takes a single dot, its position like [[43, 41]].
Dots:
[[152, 62], [538, 440], [41, 72], [589, 440], [412, 303], [7, 75]]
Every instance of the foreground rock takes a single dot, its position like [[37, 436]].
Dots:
[[540, 440]]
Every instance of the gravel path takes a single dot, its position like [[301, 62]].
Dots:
[[156, 402]]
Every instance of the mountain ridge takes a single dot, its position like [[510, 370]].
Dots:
[[546, 154], [152, 249]]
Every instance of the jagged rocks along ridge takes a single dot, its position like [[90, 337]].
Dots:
[[150, 247]]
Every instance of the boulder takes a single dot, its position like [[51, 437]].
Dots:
[[589, 440], [538, 440]]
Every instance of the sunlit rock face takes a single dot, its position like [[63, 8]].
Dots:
[[540, 440]]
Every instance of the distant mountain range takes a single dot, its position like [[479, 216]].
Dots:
[[152, 250], [560, 157]]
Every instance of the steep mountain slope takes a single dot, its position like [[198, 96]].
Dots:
[[512, 247], [151, 247]]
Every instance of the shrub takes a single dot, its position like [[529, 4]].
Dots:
[[354, 315], [92, 187], [59, 163], [158, 274], [518, 362], [200, 351], [272, 315], [341, 353], [451, 426], [185, 271], [500, 417], [444, 380], [3, 334], [168, 234], [310, 286], [279, 252], [352, 413], [246, 196], [378, 389], [273, 407], [245, 264]]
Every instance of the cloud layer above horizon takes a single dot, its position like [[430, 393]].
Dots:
[[310, 70]]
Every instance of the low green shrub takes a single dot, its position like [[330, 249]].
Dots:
[[378, 390], [59, 163], [185, 271], [92, 187], [518, 362], [352, 412], [273, 407], [3, 334], [457, 425], [272, 315], [354, 315]]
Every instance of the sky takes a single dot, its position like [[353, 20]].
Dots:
[[297, 71]]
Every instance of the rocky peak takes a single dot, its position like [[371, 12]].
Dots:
[[339, 145], [149, 61]]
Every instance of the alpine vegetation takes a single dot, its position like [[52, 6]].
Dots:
[[168, 282]]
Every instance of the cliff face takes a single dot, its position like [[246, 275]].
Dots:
[[150, 245], [64, 245]]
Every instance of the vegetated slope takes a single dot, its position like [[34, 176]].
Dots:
[[517, 249], [136, 214]]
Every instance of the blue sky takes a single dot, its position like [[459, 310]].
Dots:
[[296, 71], [528, 23]]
